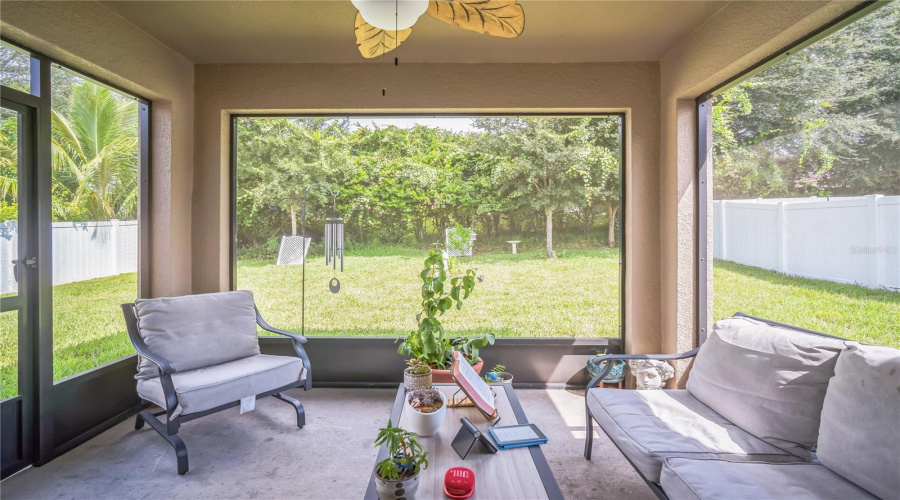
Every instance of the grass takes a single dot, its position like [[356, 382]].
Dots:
[[88, 329], [522, 295], [848, 311]]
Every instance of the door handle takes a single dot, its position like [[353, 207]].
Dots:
[[30, 262]]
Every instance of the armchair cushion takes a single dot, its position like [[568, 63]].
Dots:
[[769, 381], [649, 426], [205, 388], [715, 479], [860, 433], [197, 330]]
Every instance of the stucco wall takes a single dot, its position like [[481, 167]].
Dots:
[[738, 36], [505, 88], [89, 37]]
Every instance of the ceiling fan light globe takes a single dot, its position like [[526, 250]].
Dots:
[[391, 14]]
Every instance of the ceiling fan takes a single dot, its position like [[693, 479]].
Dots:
[[382, 25]]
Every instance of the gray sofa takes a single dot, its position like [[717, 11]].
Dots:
[[199, 355], [769, 411]]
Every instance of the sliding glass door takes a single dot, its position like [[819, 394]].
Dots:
[[17, 285]]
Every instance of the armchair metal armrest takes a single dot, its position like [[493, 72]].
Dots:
[[297, 341], [624, 357], [165, 366], [269, 328]]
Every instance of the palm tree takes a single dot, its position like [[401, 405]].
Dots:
[[9, 158], [95, 156]]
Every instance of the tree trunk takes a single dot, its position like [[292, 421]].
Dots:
[[549, 213], [612, 209], [293, 220]]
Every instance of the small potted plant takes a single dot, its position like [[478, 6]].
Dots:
[[427, 409], [616, 375], [498, 374], [398, 475], [417, 375]]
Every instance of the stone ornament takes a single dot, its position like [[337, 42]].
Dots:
[[651, 374]]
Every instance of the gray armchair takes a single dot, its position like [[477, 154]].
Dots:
[[199, 354]]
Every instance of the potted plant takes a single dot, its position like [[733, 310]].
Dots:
[[498, 374], [417, 375], [398, 475], [427, 408], [442, 289], [616, 375]]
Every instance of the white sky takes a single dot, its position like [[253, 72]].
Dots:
[[454, 124]]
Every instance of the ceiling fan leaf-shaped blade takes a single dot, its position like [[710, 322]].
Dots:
[[504, 18], [374, 41]]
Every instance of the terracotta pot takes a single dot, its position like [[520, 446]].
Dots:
[[443, 376]]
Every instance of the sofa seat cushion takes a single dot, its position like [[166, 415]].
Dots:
[[768, 380], [649, 426], [687, 479], [860, 433], [204, 388], [197, 330]]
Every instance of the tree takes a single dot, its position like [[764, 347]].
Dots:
[[549, 162], [95, 156], [9, 158], [605, 162], [281, 157], [824, 121]]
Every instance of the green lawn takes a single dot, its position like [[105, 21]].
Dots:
[[88, 329], [522, 295], [848, 311]]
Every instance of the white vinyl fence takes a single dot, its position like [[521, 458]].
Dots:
[[847, 240], [81, 251]]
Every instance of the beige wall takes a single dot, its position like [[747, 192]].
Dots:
[[506, 88], [89, 37], [738, 36]]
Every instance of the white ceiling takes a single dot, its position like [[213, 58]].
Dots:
[[322, 32]]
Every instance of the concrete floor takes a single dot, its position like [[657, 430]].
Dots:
[[263, 455]]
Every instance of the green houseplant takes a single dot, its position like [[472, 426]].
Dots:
[[417, 375], [398, 475], [441, 291], [498, 374]]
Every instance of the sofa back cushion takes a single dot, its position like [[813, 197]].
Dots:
[[769, 381], [197, 330], [860, 433]]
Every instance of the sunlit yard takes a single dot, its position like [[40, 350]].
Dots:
[[523, 295], [88, 328], [848, 311]]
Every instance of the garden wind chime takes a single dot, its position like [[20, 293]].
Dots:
[[333, 242]]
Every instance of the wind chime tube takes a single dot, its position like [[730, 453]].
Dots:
[[334, 242], [327, 241], [341, 244]]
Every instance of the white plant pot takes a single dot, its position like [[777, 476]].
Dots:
[[425, 424]]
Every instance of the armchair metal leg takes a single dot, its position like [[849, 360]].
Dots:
[[301, 415], [138, 422], [588, 434], [180, 449]]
